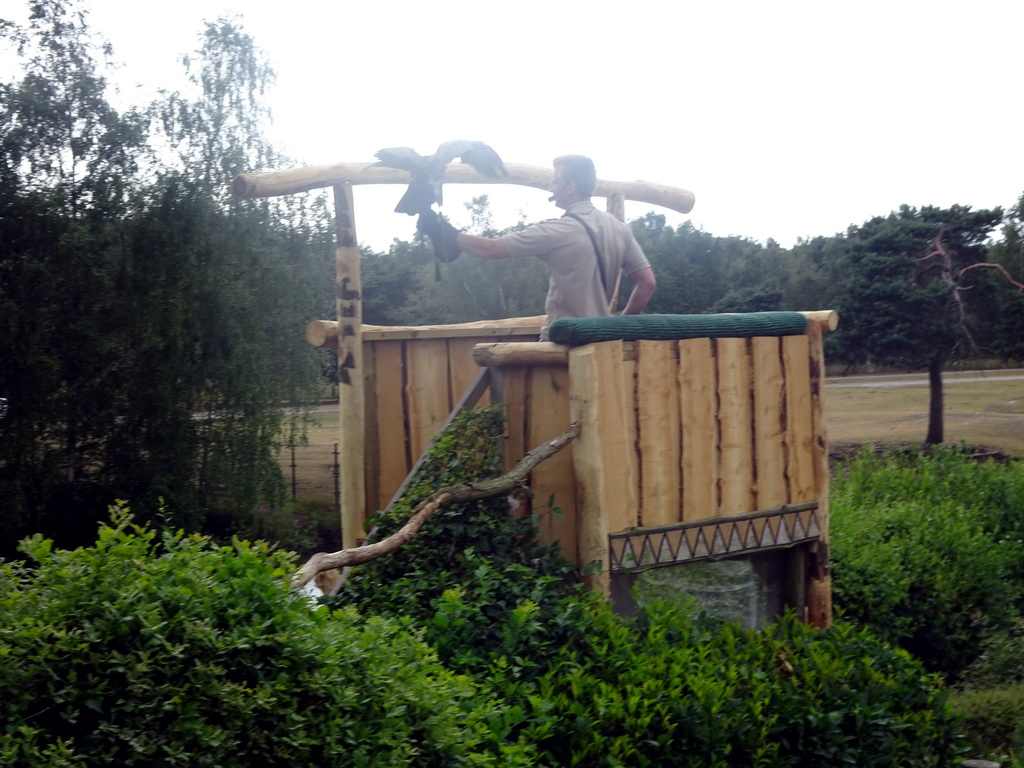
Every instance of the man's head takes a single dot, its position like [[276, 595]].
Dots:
[[574, 180]]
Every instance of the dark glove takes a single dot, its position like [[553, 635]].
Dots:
[[441, 233]]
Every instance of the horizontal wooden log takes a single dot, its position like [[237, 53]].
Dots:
[[521, 353], [509, 326], [828, 319], [294, 180], [324, 333]]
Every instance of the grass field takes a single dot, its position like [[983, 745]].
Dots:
[[982, 409]]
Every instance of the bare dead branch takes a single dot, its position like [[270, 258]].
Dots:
[[323, 561], [999, 267]]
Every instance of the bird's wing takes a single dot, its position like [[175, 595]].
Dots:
[[403, 158], [476, 153]]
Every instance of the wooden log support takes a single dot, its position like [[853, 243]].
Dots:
[[322, 333], [351, 395], [599, 402], [616, 206], [826, 319], [497, 329], [521, 353], [819, 588], [546, 390], [294, 180]]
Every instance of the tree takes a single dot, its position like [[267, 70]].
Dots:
[[152, 325], [1003, 325], [68, 162], [238, 280], [902, 307], [695, 269]]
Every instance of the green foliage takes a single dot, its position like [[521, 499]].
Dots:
[[389, 282], [165, 649], [927, 550], [675, 689], [153, 325], [759, 299], [896, 306], [1001, 661], [475, 577], [993, 720], [582, 686], [1001, 326], [990, 698]]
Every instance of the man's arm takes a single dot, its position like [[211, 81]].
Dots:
[[449, 242], [645, 283], [486, 248]]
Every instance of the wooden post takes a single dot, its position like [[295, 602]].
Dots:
[[819, 588], [616, 205], [606, 479], [351, 396]]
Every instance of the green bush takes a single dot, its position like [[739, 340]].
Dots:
[[990, 697], [583, 687], [674, 689], [925, 552], [993, 719], [150, 649], [475, 577]]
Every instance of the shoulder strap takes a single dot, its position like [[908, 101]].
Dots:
[[597, 251]]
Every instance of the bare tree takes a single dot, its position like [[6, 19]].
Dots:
[[938, 265]]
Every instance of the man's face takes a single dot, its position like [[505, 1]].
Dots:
[[560, 188]]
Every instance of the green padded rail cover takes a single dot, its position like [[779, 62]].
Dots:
[[587, 330]]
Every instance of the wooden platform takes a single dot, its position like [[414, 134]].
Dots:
[[673, 432]]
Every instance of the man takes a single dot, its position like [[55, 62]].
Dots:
[[584, 251]]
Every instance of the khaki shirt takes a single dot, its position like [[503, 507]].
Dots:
[[574, 278]]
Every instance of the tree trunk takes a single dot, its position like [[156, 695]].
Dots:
[[935, 409]]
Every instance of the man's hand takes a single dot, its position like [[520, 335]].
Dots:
[[442, 235], [429, 224]]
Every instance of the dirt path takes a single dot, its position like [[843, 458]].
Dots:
[[921, 379]]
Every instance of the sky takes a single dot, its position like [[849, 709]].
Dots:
[[787, 120]]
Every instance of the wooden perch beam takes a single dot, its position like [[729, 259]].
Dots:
[[324, 333], [324, 561], [293, 180], [521, 353]]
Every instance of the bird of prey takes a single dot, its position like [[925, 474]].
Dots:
[[427, 172]]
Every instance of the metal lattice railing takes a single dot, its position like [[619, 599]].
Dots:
[[636, 549]]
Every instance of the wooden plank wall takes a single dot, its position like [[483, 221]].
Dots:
[[721, 427], [414, 377], [674, 431]]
